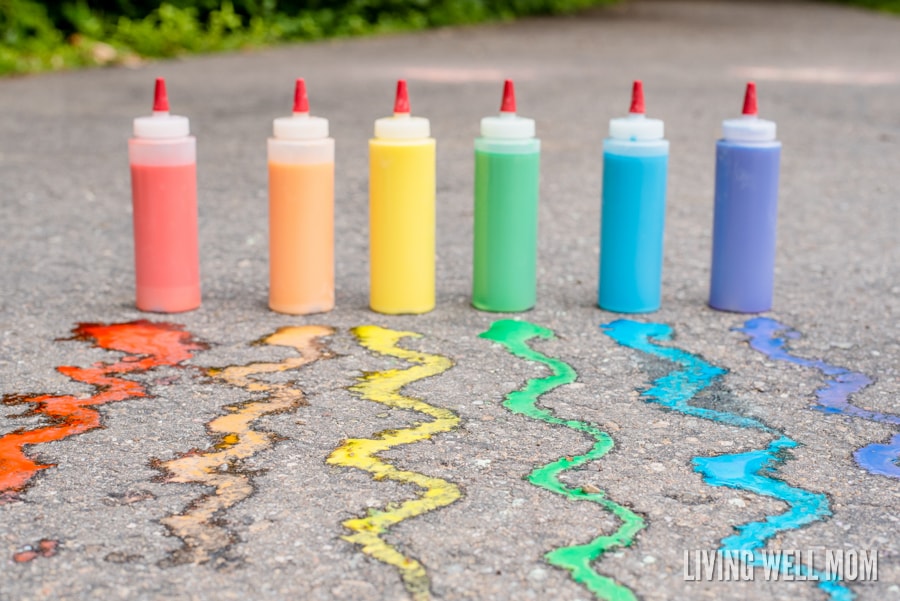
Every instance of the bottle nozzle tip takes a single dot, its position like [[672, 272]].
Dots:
[[401, 101], [160, 97], [751, 107], [637, 98], [508, 104], [301, 100]]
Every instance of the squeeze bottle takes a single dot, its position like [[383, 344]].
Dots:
[[507, 166], [401, 212], [301, 212], [163, 157], [635, 164], [746, 208]]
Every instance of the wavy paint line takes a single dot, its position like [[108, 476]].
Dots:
[[834, 397], [203, 535], [577, 559], [752, 471], [384, 387], [146, 345]]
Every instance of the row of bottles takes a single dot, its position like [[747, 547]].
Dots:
[[402, 211]]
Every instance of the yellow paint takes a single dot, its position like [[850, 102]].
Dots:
[[202, 538], [384, 387], [401, 225]]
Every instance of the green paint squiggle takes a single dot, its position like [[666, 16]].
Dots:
[[577, 559]]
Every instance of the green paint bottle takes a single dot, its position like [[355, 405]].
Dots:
[[507, 167]]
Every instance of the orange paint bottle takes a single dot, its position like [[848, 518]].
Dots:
[[301, 212], [163, 157]]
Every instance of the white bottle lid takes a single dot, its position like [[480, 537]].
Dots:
[[636, 126], [749, 127], [402, 126], [508, 125], [161, 124], [300, 125]]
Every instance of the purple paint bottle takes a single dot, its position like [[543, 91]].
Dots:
[[746, 208]]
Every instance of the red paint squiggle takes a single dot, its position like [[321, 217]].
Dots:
[[146, 345], [44, 548]]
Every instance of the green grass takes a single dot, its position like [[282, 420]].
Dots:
[[39, 36], [888, 6], [43, 35]]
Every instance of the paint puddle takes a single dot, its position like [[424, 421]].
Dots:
[[146, 345], [751, 471], [770, 338], [577, 559], [201, 526], [44, 548], [385, 387]]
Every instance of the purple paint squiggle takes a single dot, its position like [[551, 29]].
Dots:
[[834, 397]]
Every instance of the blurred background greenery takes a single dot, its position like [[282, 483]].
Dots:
[[41, 35]]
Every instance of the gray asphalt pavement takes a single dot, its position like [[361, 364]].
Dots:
[[828, 75]]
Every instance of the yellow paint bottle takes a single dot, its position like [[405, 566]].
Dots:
[[301, 212], [401, 212]]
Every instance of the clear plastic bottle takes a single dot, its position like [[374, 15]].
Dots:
[[401, 212], [748, 158], [635, 167], [163, 158], [507, 173], [301, 212]]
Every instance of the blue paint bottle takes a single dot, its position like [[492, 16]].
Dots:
[[746, 207], [635, 165]]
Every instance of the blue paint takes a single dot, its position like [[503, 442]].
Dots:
[[881, 458], [631, 238], [677, 388], [770, 338], [752, 471]]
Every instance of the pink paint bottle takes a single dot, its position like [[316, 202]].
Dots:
[[163, 157]]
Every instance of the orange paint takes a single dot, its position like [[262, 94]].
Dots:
[[301, 237], [301, 211], [146, 345]]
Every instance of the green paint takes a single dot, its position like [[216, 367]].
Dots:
[[506, 218], [577, 559]]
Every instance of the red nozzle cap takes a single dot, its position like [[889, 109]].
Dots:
[[401, 102], [637, 97], [509, 97], [301, 101], [750, 106], [160, 97]]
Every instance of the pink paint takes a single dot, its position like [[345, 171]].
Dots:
[[163, 158], [167, 265]]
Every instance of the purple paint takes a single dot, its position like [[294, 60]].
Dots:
[[770, 338], [746, 210]]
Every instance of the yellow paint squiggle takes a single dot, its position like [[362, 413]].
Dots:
[[203, 538], [384, 387]]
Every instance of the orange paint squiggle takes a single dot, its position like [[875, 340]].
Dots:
[[201, 525], [146, 345]]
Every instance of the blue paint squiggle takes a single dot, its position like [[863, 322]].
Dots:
[[752, 471], [834, 397]]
